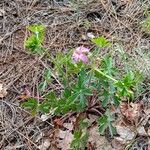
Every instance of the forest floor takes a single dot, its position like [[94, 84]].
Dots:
[[68, 24]]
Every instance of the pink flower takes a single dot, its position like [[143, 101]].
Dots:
[[79, 54], [82, 49]]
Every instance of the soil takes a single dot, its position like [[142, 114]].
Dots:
[[67, 24]]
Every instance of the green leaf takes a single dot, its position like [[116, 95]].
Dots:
[[102, 75], [105, 122], [47, 75], [31, 104], [45, 107], [50, 103], [81, 90], [146, 23], [112, 130], [124, 86], [107, 62], [106, 99], [83, 101], [64, 105], [107, 66], [116, 100], [43, 86], [36, 28], [82, 78], [50, 95], [34, 42], [99, 75], [67, 93], [80, 136], [101, 42]]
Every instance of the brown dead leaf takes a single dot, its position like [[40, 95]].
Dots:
[[117, 145], [64, 139], [131, 111], [3, 91], [58, 122], [98, 141], [68, 126], [91, 119], [25, 95], [79, 117], [126, 134]]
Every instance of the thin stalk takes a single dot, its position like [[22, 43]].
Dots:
[[112, 79]]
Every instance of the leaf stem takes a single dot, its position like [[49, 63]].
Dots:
[[105, 75]]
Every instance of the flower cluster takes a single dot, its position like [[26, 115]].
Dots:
[[80, 54]]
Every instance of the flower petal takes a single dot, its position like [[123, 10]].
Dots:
[[83, 58], [75, 57], [82, 49]]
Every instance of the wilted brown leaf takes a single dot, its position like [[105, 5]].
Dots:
[[131, 111], [64, 139], [25, 95], [98, 141], [58, 122], [126, 134]]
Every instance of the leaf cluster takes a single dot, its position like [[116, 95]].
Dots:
[[34, 42]]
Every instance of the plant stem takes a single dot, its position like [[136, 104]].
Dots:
[[105, 75]]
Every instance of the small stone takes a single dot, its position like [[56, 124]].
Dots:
[[126, 134], [90, 35], [141, 131]]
